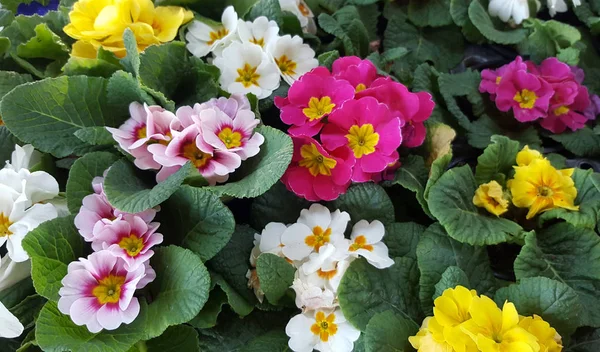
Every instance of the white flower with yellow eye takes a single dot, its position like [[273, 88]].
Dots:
[[366, 241], [326, 276], [293, 57], [261, 32], [518, 10], [303, 13], [322, 330], [204, 38], [245, 68]]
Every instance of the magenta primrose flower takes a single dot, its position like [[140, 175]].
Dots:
[[563, 115], [525, 94], [371, 132], [360, 73], [490, 79]]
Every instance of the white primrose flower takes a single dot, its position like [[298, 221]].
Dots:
[[24, 157], [366, 241], [12, 272], [269, 241], [316, 227], [518, 10], [311, 297], [261, 32], [10, 326], [245, 68], [32, 187], [555, 6], [204, 38], [293, 57], [322, 330], [324, 270], [303, 13]]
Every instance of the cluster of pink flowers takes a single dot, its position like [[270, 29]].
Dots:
[[215, 137], [347, 126], [98, 291], [551, 93]]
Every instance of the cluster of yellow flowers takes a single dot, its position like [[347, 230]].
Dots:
[[465, 322], [537, 185], [101, 23]]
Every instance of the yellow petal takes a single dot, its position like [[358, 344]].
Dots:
[[167, 21], [510, 317], [486, 313], [84, 49], [526, 156]]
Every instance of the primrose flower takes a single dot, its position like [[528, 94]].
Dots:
[[540, 187], [490, 79], [101, 23], [12, 272], [518, 10], [32, 187], [293, 57], [366, 241], [369, 130], [24, 157], [360, 73], [203, 38], [491, 197], [526, 94], [261, 31], [312, 98], [316, 174], [547, 337], [129, 238], [323, 330], [231, 106], [245, 68], [98, 292], [555, 6], [302, 12], [526, 156], [10, 326], [430, 337], [311, 297], [269, 241], [451, 310], [565, 115], [325, 267]]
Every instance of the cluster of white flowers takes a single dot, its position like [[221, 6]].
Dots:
[[24, 204], [316, 246], [252, 56], [518, 10]]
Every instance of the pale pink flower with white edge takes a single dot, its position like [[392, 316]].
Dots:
[[98, 292], [231, 134], [129, 238], [311, 297], [316, 227], [261, 31], [204, 38], [149, 276], [293, 57], [366, 241], [231, 106], [322, 330]]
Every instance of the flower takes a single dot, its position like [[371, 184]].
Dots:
[[10, 326], [245, 68], [490, 79], [325, 267], [293, 57], [12, 272], [17, 219], [98, 292], [316, 174], [430, 337], [311, 297], [412, 108], [36, 8], [495, 330], [451, 310], [555, 6], [261, 31], [323, 330], [526, 94], [24, 157], [129, 238], [366, 241], [518, 10], [101, 23], [32, 187], [269, 241], [547, 337], [491, 197], [360, 73], [204, 38], [312, 98], [231, 106], [526, 156], [302, 12], [316, 227], [566, 115], [369, 130], [540, 187]]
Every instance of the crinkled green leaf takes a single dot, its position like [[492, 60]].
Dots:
[[389, 332], [269, 8], [7, 144], [9, 80], [497, 160], [482, 131], [175, 339], [207, 318], [585, 340], [402, 238], [275, 275], [465, 84], [413, 175], [95, 136], [452, 277], [481, 19], [327, 59], [583, 142], [90, 67], [276, 341], [27, 310], [236, 301], [18, 292], [434, 13], [276, 205], [365, 201], [131, 62], [123, 89], [438, 167], [548, 38], [45, 44]]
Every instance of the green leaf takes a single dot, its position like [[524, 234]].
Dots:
[[28, 309], [570, 255], [413, 175], [52, 246], [95, 136], [464, 84], [583, 142], [17, 293], [365, 201], [175, 339], [451, 202], [268, 8], [365, 291], [553, 300], [276, 276], [123, 89], [275, 341], [402, 238], [389, 332], [131, 62], [482, 131], [434, 13], [7, 144], [327, 59], [438, 167], [481, 19], [259, 173], [436, 252], [197, 219], [47, 113], [126, 192], [587, 183], [90, 67], [236, 301], [497, 160], [276, 205], [9, 80], [207, 318], [452, 277], [81, 175], [548, 38], [585, 340], [45, 44]]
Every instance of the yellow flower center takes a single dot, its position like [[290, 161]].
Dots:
[[324, 326], [219, 34], [360, 88], [230, 138], [526, 99], [315, 162], [317, 108], [195, 155], [498, 80], [247, 76], [141, 132], [318, 237], [133, 245], [544, 191], [362, 140], [109, 289], [360, 242], [303, 10], [286, 65], [561, 110], [260, 42], [4, 225]]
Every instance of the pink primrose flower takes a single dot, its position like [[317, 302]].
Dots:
[[360, 73], [526, 94]]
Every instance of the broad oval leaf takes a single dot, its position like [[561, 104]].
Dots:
[[275, 275], [365, 201], [389, 332]]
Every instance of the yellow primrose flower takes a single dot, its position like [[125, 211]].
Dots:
[[430, 337], [491, 197], [526, 156], [541, 187], [495, 330], [548, 339], [450, 311], [101, 23]]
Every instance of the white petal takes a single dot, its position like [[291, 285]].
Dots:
[[10, 326], [316, 215], [293, 239], [12, 272]]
